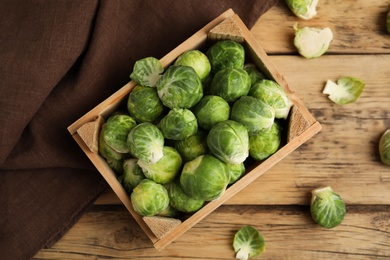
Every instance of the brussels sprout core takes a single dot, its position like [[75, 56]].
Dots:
[[304, 9], [384, 147], [248, 242], [347, 90]]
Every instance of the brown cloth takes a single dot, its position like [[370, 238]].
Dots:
[[58, 60]]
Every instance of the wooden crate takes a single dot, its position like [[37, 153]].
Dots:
[[301, 127]]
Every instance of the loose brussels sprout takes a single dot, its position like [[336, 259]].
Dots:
[[147, 71], [346, 91], [327, 208], [211, 110], [193, 146], [248, 242], [178, 124], [229, 142], [253, 113], [312, 42], [231, 84], [179, 200], [115, 133], [226, 54], [146, 142], [304, 9], [204, 178], [388, 22], [384, 147], [265, 143], [236, 171], [254, 73], [149, 198], [144, 104], [106, 151], [132, 174], [165, 169], [271, 93], [180, 87], [197, 60]]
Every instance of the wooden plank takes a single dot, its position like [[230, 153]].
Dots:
[[289, 232], [358, 26]]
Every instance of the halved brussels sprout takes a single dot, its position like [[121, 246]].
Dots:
[[254, 73], [180, 87], [265, 143], [165, 169], [253, 113], [180, 200], [229, 142], [146, 142], [115, 133], [132, 174], [327, 207], [193, 146], [312, 42], [211, 110], [304, 9], [230, 84], [178, 124], [226, 54], [149, 198], [147, 71], [347, 90], [248, 242], [197, 60], [144, 104], [204, 178], [384, 147], [236, 171]]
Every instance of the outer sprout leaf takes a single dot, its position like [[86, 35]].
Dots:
[[248, 242], [384, 147], [147, 71], [347, 90], [304, 9]]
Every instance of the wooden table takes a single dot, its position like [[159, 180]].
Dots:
[[344, 155]]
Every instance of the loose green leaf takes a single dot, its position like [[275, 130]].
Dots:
[[248, 242], [347, 90]]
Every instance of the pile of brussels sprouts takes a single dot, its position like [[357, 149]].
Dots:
[[188, 130]]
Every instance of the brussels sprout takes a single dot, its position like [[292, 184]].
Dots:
[[312, 42], [115, 165], [384, 147], [146, 142], [115, 133], [388, 22], [149, 198], [304, 9], [193, 146], [254, 73], [236, 171], [204, 178], [179, 200], [147, 71], [178, 124], [226, 54], [229, 142], [253, 113], [248, 242], [132, 174], [347, 90], [211, 110], [231, 84], [271, 93], [180, 87], [144, 104], [327, 208], [197, 60], [106, 151], [265, 143], [169, 212], [165, 169]]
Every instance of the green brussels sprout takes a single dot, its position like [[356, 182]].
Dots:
[[226, 54], [211, 110], [106, 151], [229, 142], [197, 60], [327, 207], [265, 143], [144, 104], [312, 42], [149, 198], [388, 22], [231, 84], [254, 73], [147, 71], [169, 212], [253, 113], [272, 93], [146, 142], [180, 87], [193, 146], [178, 124], [347, 90], [204, 178], [115, 165], [236, 171], [116, 130], [132, 174], [304, 9], [165, 169], [248, 242], [384, 147], [179, 200]]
